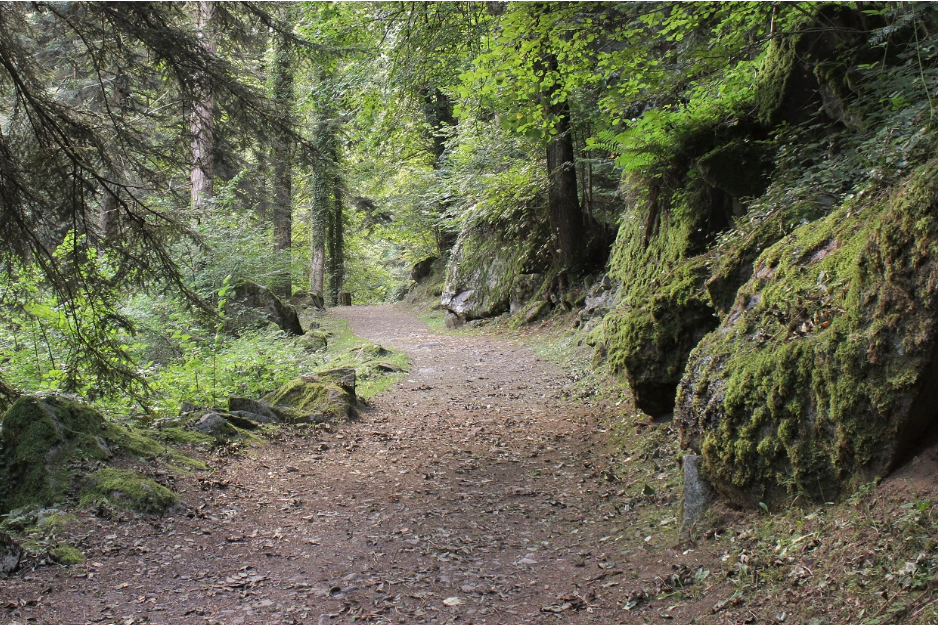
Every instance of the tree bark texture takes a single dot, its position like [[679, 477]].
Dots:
[[109, 218], [336, 244], [566, 219], [319, 219], [283, 164], [202, 122]]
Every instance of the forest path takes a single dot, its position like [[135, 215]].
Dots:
[[469, 493]]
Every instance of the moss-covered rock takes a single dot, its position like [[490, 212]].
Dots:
[[649, 343], [663, 307], [327, 396], [821, 375], [66, 555], [126, 489], [41, 436]]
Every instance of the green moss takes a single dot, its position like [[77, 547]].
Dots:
[[183, 436], [126, 489], [305, 400], [40, 438], [66, 555], [819, 362], [774, 78], [314, 340]]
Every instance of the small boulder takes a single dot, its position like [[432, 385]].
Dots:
[[10, 554], [343, 376], [453, 320], [127, 489], [315, 398], [314, 340], [260, 409], [697, 492], [214, 424], [252, 417], [301, 300], [537, 311]]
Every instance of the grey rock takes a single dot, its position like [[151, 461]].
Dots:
[[10, 554], [482, 269], [253, 417], [523, 289], [697, 493], [239, 421], [452, 320], [537, 311], [214, 424], [259, 408], [343, 376], [252, 305]]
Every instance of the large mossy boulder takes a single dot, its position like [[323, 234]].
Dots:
[[822, 375], [41, 436], [251, 305], [316, 398], [480, 275], [662, 308]]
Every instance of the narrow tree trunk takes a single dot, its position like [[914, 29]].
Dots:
[[336, 244], [319, 219], [317, 270], [283, 165], [202, 122], [109, 219]]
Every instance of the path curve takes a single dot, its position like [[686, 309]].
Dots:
[[467, 494]]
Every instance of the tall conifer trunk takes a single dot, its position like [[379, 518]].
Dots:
[[202, 121], [283, 160], [336, 244]]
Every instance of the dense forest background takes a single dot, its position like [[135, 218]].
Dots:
[[733, 201]]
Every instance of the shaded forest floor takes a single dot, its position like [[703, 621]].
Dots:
[[487, 487]]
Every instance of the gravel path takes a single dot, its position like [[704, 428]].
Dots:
[[469, 493]]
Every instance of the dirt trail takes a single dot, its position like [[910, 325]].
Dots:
[[467, 494]]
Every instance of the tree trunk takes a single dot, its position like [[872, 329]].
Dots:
[[283, 164], [336, 244], [319, 219], [109, 219], [202, 122], [566, 221]]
